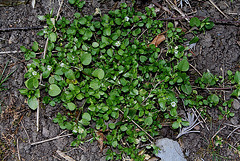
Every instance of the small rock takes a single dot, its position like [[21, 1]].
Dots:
[[234, 120], [83, 158], [236, 104], [170, 150], [45, 132]]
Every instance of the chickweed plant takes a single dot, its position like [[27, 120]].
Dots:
[[109, 79]]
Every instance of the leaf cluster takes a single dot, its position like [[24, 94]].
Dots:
[[103, 70]]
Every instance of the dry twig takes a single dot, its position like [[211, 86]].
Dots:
[[63, 155], [178, 10], [19, 157], [47, 140], [218, 132], [218, 8]]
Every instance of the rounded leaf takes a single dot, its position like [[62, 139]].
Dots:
[[148, 121], [33, 103], [86, 116], [98, 73], [183, 65], [186, 89], [53, 37], [70, 74], [54, 90], [71, 106], [95, 44], [86, 58]]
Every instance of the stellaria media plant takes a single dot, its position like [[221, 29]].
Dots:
[[105, 72]]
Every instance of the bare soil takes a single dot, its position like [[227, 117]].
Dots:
[[217, 51]]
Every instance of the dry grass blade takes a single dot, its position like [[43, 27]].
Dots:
[[192, 124], [63, 155]]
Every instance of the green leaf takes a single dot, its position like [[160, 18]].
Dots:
[[123, 128], [143, 58], [135, 19], [86, 58], [186, 89], [175, 125], [183, 65], [136, 32], [53, 37], [87, 35], [82, 21], [148, 121], [107, 31], [46, 73], [214, 98], [115, 143], [236, 93], [35, 46], [112, 125], [86, 116], [71, 106], [237, 77], [118, 21], [41, 18], [77, 15], [195, 22], [80, 96], [32, 83], [94, 84], [173, 112], [70, 74], [23, 91], [194, 40], [95, 44], [98, 73], [54, 90], [85, 122], [209, 25], [23, 49], [71, 1], [33, 103], [110, 52]]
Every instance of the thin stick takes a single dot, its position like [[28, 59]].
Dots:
[[218, 132], [233, 131], [232, 146], [19, 157], [163, 8], [194, 112], [218, 9], [63, 155], [231, 125], [25, 132], [10, 52], [195, 69], [178, 10], [138, 126], [142, 33], [201, 117], [47, 140]]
